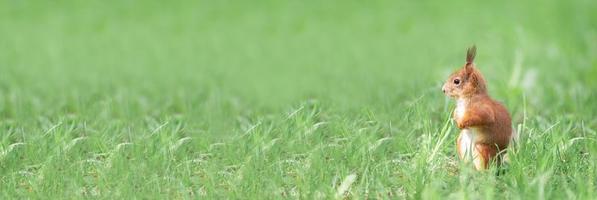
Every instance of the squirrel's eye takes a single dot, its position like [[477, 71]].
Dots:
[[456, 81]]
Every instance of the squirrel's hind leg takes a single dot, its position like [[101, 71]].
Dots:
[[484, 155]]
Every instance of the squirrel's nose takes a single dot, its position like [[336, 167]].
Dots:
[[443, 90]]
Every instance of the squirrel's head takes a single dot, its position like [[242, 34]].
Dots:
[[467, 81]]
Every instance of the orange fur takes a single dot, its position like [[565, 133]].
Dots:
[[484, 122]]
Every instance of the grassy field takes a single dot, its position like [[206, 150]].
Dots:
[[289, 99]]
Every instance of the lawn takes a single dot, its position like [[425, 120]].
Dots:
[[289, 99]]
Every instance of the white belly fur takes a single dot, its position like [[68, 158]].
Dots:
[[468, 138], [467, 135], [467, 142], [468, 152]]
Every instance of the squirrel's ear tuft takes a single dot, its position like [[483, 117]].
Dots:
[[470, 54]]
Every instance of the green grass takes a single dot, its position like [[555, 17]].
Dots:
[[289, 99]]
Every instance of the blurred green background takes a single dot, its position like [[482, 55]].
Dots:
[[118, 72]]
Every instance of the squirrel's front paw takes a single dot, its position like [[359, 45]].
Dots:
[[460, 125]]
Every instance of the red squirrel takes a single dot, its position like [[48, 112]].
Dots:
[[486, 127]]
